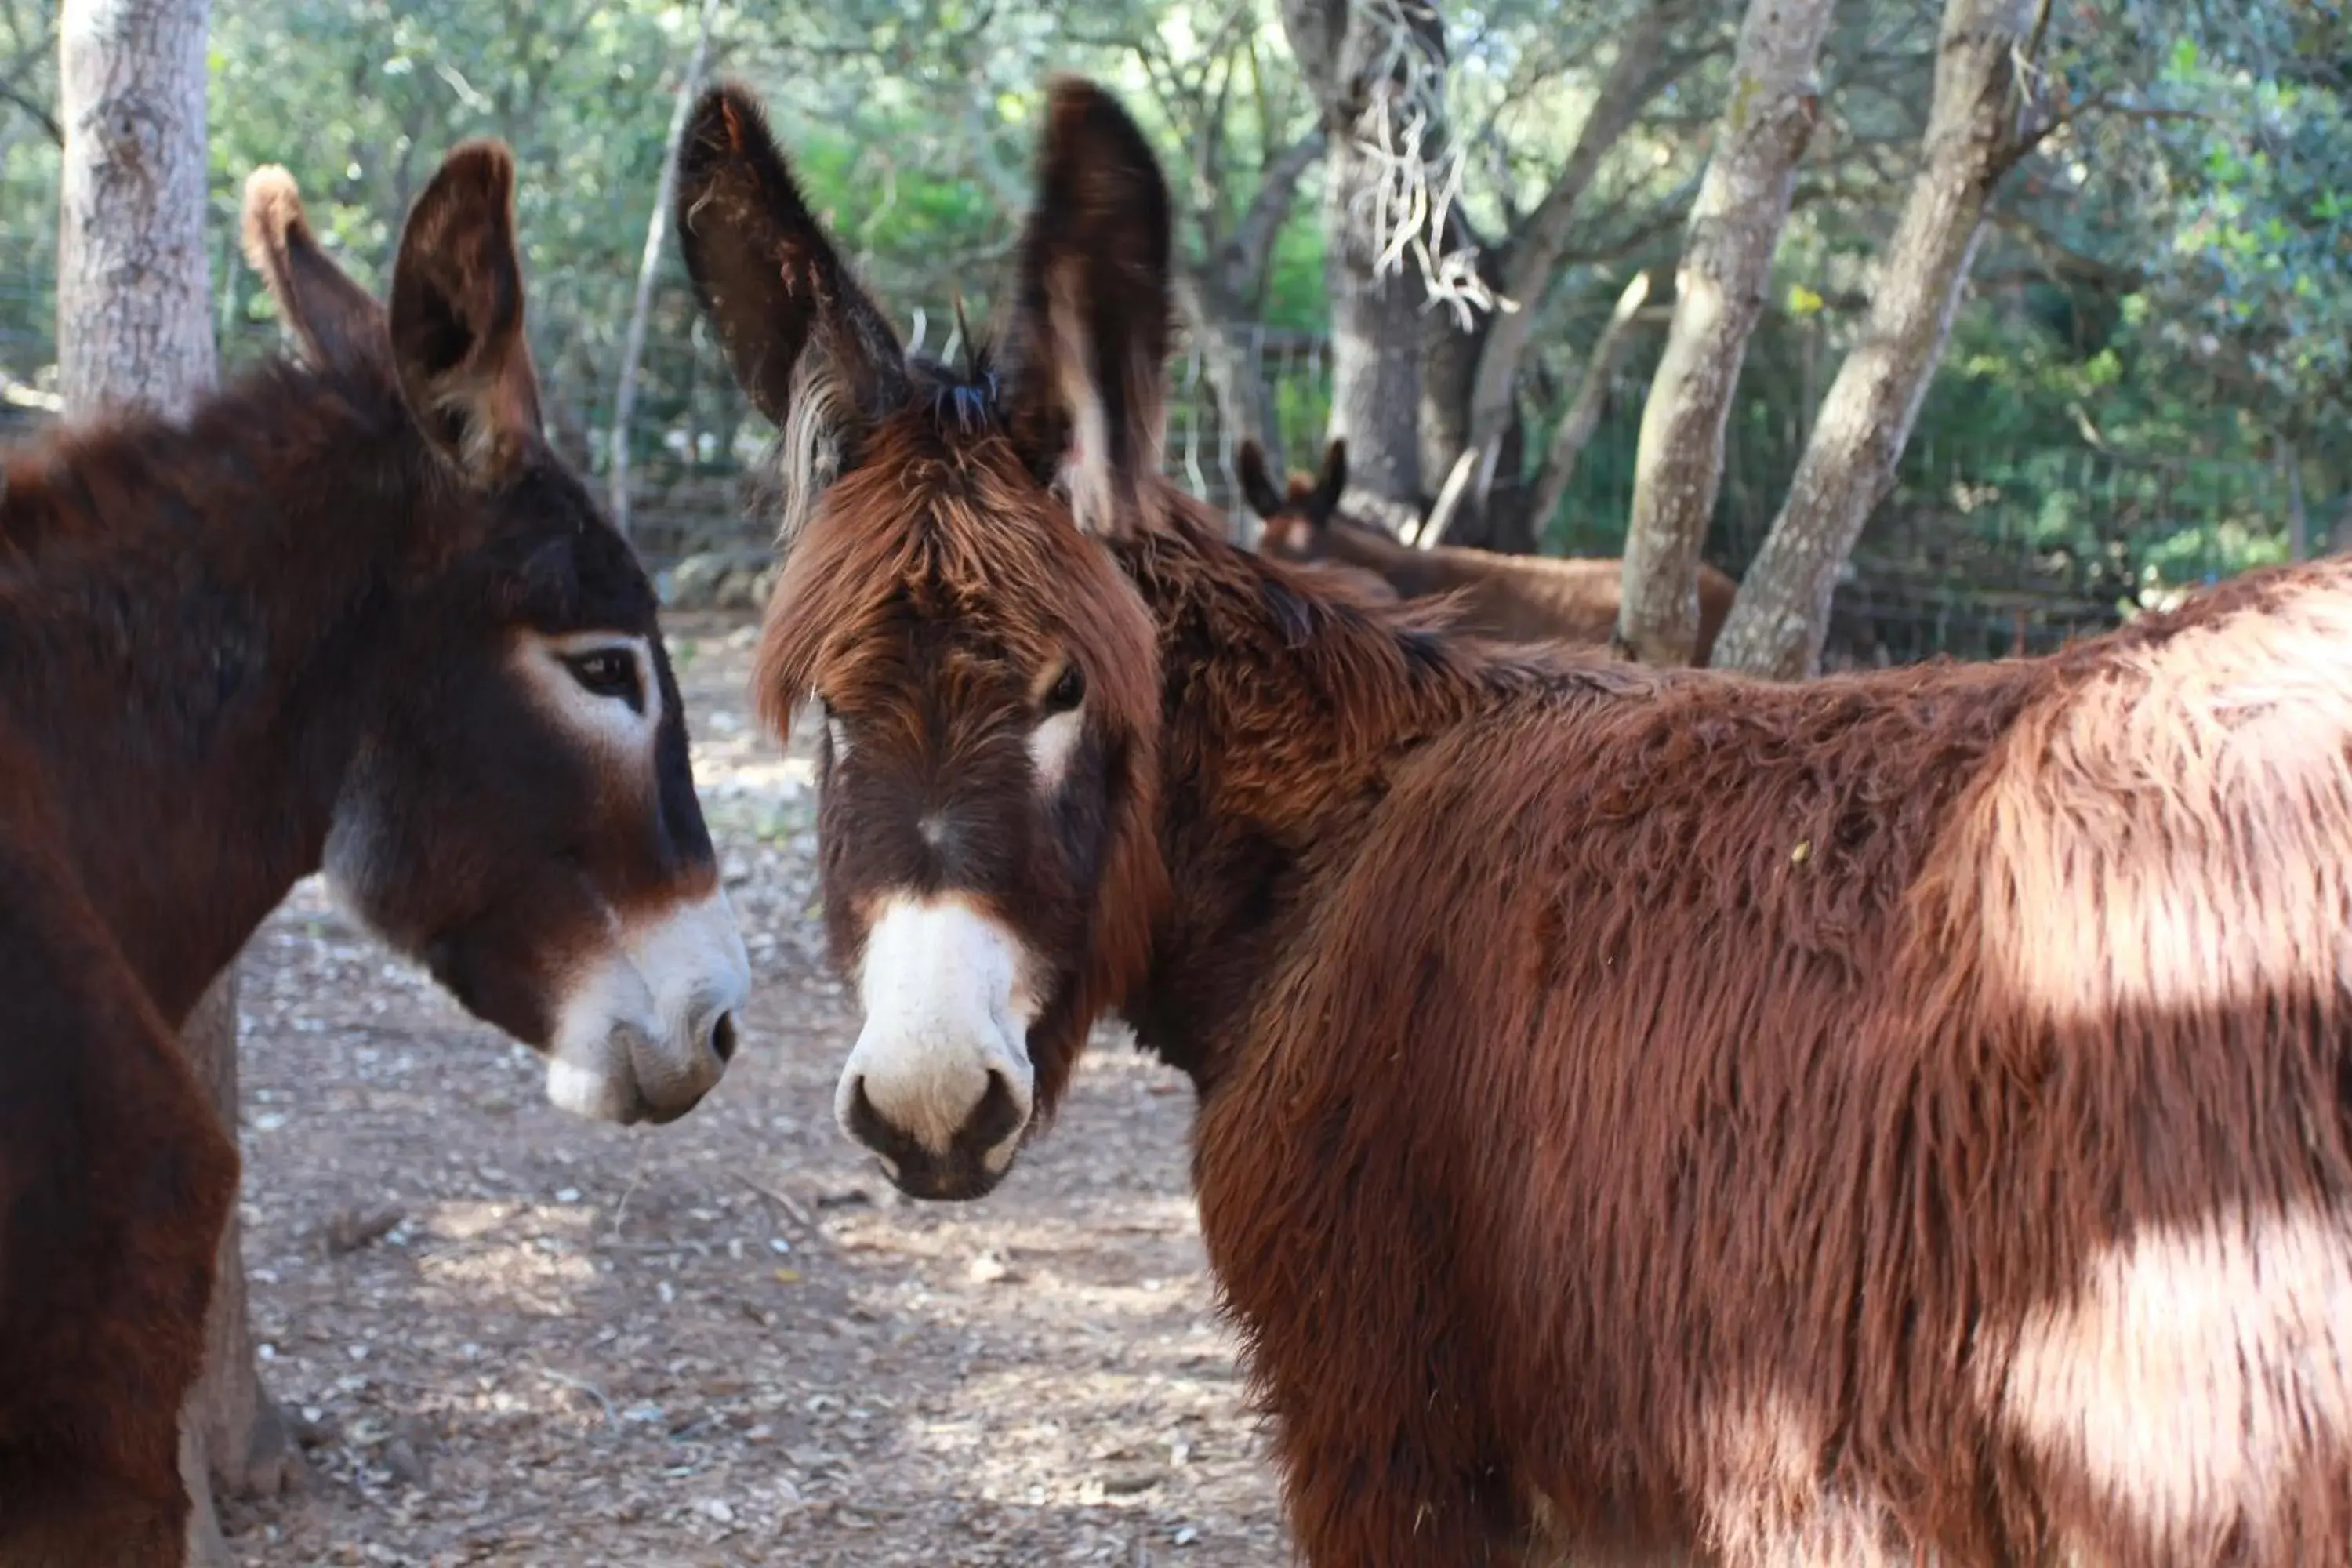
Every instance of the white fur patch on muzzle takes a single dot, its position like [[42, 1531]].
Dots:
[[949, 1000], [638, 1033]]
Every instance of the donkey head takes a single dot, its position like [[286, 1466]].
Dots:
[[520, 811], [1297, 523], [989, 677]]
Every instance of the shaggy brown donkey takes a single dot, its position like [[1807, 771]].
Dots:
[[352, 613], [1901, 1117], [1517, 598]]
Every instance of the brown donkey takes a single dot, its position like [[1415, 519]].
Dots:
[[1517, 598], [352, 612], [1901, 1117]]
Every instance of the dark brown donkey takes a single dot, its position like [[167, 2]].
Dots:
[[1897, 1118], [353, 613], [1517, 598]]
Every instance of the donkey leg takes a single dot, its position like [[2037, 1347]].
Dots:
[[116, 1177], [1358, 1500], [77, 1510]]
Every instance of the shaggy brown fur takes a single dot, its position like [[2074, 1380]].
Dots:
[[1517, 598], [1897, 1118], [218, 640]]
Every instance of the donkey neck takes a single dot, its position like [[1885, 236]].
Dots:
[[187, 613], [1285, 713]]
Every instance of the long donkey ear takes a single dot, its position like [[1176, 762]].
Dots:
[[808, 346], [1323, 502], [457, 316], [341, 326], [1257, 485], [1088, 334]]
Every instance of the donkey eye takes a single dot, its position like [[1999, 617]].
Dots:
[[607, 672], [1067, 691]]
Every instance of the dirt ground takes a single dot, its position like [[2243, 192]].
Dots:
[[510, 1336]]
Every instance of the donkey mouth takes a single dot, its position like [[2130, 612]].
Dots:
[[938, 1181], [975, 1160]]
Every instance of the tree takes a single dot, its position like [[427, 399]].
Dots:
[[1474, 406], [134, 330], [633, 347], [1735, 228], [1377, 70], [1781, 618]]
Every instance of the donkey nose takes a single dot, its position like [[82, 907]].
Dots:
[[722, 1037], [974, 1157]]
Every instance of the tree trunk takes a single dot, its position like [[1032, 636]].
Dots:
[[1743, 203], [633, 346], [134, 301], [1532, 257], [1574, 432], [1449, 367], [1344, 50], [134, 328], [1375, 341], [1780, 619]]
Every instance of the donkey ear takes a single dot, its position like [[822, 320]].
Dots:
[[341, 326], [1324, 501], [457, 316], [805, 341], [1088, 331], [1257, 485]]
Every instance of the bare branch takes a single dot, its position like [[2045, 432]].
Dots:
[[1249, 253], [1574, 432], [2060, 260], [1450, 496], [38, 113]]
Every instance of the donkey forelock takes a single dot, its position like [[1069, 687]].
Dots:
[[941, 520]]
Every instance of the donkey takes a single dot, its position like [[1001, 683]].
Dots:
[[352, 612], [1517, 598], [1900, 1117]]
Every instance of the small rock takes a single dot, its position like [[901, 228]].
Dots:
[[988, 1270], [405, 1464], [716, 1509], [348, 1230], [312, 1428]]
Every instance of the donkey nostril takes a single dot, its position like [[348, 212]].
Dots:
[[865, 1124], [997, 1116], [722, 1037]]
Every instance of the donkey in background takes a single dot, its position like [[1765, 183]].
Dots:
[[1897, 1117], [353, 613], [1515, 598]]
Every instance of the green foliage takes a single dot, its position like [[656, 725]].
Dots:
[[2160, 319]]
